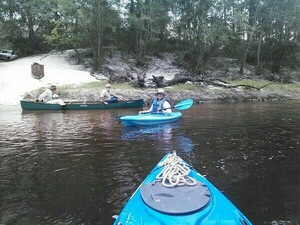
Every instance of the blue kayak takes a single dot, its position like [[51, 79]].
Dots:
[[150, 119], [174, 193]]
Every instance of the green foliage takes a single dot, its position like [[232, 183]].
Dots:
[[2, 34], [147, 26], [26, 46], [201, 29]]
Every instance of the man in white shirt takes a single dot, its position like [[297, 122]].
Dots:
[[49, 96], [108, 97]]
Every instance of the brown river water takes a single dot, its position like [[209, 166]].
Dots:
[[80, 167]]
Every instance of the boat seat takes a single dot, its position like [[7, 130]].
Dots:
[[175, 200]]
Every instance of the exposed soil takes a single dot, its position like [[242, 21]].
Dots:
[[61, 68]]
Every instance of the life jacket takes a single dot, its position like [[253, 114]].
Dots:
[[157, 104]]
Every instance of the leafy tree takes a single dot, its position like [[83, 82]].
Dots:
[[100, 23], [66, 30], [264, 33], [146, 25], [200, 29]]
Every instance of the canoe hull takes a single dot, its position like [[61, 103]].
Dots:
[[218, 210], [150, 119], [29, 105]]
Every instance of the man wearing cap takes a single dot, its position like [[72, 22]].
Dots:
[[107, 97], [49, 96], [160, 104]]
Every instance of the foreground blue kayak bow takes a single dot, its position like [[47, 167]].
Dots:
[[175, 194]]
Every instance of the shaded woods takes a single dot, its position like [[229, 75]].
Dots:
[[263, 33]]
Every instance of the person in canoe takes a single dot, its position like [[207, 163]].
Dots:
[[49, 96], [160, 104], [107, 96]]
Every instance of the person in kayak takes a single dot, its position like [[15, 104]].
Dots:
[[108, 97], [49, 96], [160, 104]]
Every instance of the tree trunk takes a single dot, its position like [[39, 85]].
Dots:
[[245, 54], [252, 16], [258, 67], [250, 37]]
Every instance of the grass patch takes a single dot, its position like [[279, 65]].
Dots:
[[284, 87], [272, 85], [122, 86], [254, 83], [90, 85], [183, 87], [94, 85]]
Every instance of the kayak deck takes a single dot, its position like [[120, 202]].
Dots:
[[150, 119], [201, 204]]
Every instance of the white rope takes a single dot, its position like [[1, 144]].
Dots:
[[175, 172]]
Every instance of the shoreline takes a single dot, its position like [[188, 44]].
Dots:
[[199, 92], [76, 82], [174, 94]]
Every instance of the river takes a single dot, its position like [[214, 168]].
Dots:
[[80, 167]]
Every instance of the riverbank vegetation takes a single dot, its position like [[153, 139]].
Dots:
[[245, 91], [261, 33], [211, 43]]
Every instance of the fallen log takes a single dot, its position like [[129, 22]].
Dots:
[[160, 82]]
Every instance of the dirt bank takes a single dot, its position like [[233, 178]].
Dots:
[[16, 78], [118, 64], [201, 94]]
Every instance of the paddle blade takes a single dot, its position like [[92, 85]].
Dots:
[[185, 104]]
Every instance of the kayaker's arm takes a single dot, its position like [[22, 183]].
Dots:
[[166, 108], [119, 97], [146, 111]]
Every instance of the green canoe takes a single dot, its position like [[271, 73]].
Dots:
[[80, 105]]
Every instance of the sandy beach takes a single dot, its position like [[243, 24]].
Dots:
[[16, 78]]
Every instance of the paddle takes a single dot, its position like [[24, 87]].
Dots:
[[185, 104]]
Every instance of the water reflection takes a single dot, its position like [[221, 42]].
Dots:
[[163, 137], [51, 169], [81, 167]]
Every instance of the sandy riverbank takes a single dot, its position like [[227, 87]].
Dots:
[[16, 78], [17, 83]]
